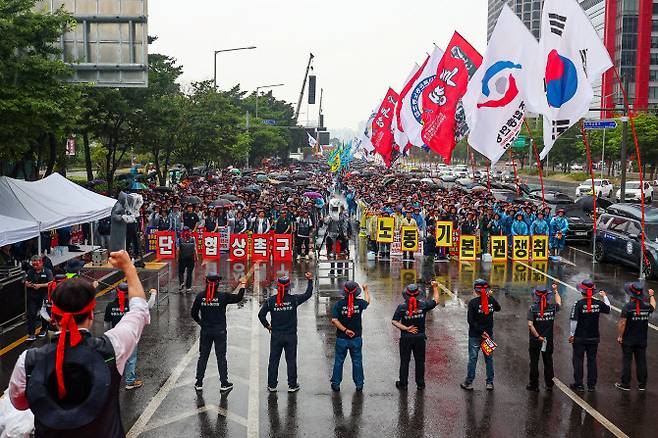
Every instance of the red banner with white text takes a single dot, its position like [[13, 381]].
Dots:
[[382, 135]]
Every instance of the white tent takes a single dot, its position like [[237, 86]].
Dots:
[[26, 208]]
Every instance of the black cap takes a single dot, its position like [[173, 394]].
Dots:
[[585, 285], [412, 290], [480, 284], [213, 276], [635, 290], [123, 287], [351, 287]]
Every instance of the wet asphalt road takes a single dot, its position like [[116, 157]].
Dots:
[[168, 406]]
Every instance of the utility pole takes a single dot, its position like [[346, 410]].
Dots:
[[301, 93], [624, 149]]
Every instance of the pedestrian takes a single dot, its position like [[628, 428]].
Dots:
[[541, 317], [633, 328], [283, 330], [409, 317], [37, 280], [103, 230], [63, 403], [408, 221], [539, 226], [346, 316], [114, 312], [190, 218], [480, 318], [209, 311], [187, 258], [559, 226], [303, 228], [584, 333]]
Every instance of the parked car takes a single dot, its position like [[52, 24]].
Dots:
[[581, 224], [633, 192], [552, 197], [604, 188], [618, 237], [576, 167], [448, 176]]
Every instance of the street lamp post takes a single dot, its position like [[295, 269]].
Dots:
[[261, 87], [225, 50]]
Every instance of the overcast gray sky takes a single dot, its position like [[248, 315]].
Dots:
[[360, 46]]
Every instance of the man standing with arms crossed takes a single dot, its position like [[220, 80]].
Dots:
[[283, 329], [409, 317]]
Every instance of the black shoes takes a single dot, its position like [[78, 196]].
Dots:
[[400, 386]]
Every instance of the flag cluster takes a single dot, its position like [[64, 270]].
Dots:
[[458, 92]]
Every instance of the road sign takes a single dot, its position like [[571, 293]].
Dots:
[[600, 124], [269, 122], [519, 142]]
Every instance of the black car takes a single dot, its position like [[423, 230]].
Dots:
[[580, 223], [618, 237]]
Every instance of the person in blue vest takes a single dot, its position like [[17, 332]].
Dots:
[[559, 227], [528, 216], [519, 227], [539, 225], [495, 227]]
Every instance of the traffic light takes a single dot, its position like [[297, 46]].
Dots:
[[311, 89]]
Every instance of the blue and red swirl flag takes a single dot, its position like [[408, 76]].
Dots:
[[443, 117], [382, 135]]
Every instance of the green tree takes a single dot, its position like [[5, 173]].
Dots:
[[37, 109]]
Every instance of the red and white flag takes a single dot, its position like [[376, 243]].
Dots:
[[412, 106], [399, 135], [441, 113], [382, 135]]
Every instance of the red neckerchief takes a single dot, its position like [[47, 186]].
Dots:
[[542, 304], [210, 291], [280, 292], [121, 295], [588, 291], [412, 305], [485, 300], [68, 325], [350, 304]]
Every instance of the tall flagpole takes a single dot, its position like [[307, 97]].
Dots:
[[541, 171], [516, 177]]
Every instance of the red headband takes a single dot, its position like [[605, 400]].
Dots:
[[280, 292], [637, 300], [121, 295], [542, 303], [67, 324], [588, 291], [350, 301]]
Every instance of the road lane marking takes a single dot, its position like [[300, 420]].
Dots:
[[580, 250], [615, 308], [254, 363], [589, 409], [206, 408], [148, 412]]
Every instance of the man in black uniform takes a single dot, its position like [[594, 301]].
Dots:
[[584, 333], [480, 326], [541, 317], [409, 317], [633, 328], [209, 311], [72, 384], [36, 283], [187, 258], [190, 218], [283, 329]]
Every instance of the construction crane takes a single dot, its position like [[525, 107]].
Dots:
[[301, 93]]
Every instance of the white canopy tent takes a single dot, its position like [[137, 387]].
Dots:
[[27, 208]]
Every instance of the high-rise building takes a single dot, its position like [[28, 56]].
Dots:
[[529, 11]]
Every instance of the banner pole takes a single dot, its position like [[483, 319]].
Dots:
[[516, 177], [594, 195], [541, 171], [488, 178]]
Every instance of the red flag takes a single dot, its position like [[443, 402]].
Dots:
[[405, 90], [382, 135], [440, 98]]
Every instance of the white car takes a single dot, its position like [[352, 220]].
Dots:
[[604, 188], [576, 167], [633, 191]]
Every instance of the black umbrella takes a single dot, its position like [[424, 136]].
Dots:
[[587, 203], [229, 196], [302, 183], [194, 200], [221, 203], [163, 189], [254, 188], [287, 190], [301, 175]]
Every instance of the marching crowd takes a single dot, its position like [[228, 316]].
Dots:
[[300, 209]]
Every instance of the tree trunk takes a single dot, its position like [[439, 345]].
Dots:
[[52, 143], [90, 171], [156, 163]]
